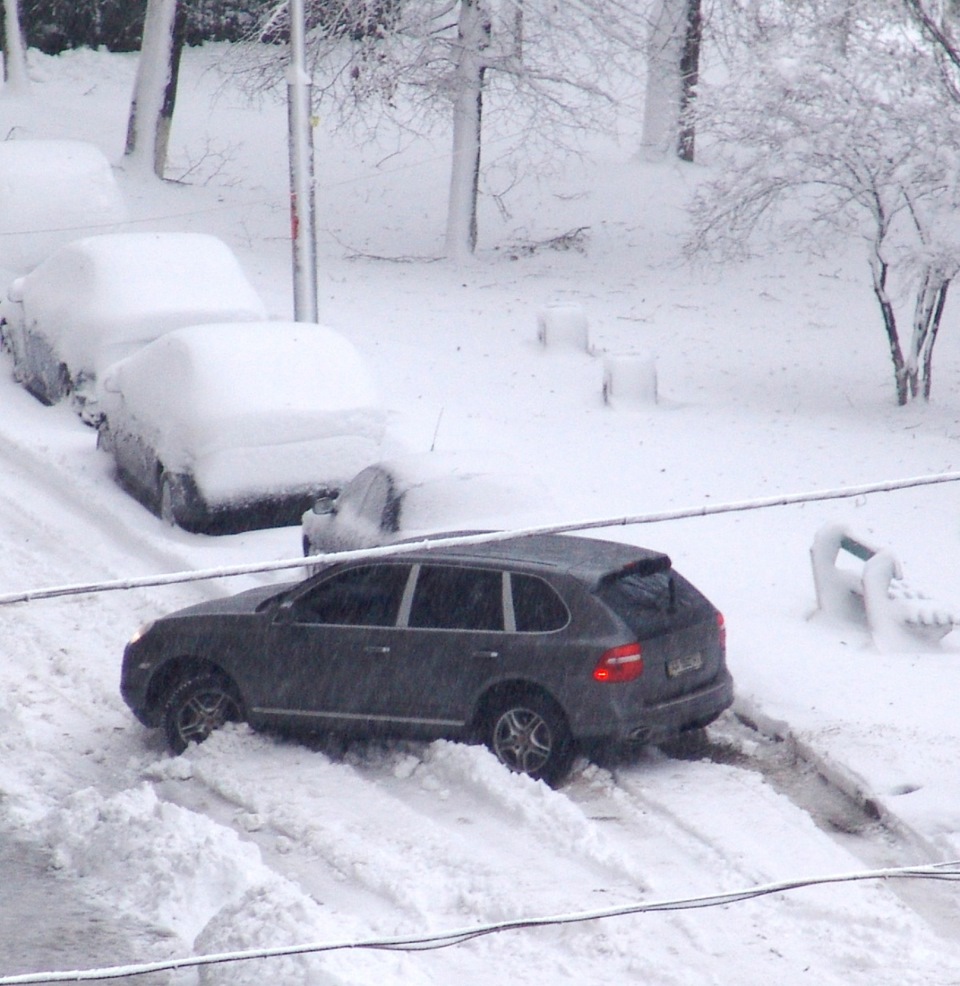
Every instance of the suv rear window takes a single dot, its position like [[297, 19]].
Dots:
[[653, 602]]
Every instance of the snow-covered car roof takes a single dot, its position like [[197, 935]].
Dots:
[[98, 298], [433, 492], [444, 489], [51, 192], [243, 385]]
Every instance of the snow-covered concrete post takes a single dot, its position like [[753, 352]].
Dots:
[[563, 325], [629, 378], [302, 214]]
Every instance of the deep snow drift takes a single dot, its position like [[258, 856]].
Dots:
[[772, 378]]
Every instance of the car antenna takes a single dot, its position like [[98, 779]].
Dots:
[[433, 444]]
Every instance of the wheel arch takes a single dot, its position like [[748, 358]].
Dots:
[[177, 670], [510, 690]]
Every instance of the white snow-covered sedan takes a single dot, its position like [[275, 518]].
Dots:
[[98, 299], [235, 426]]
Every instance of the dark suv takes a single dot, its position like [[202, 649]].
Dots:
[[535, 645]]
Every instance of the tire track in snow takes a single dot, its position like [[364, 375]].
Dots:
[[432, 836]]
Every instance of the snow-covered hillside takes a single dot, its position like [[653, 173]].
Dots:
[[772, 379]]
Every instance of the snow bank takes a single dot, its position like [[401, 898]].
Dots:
[[134, 842]]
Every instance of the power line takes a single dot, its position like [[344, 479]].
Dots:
[[707, 510], [949, 871]]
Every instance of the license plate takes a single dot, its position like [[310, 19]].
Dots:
[[680, 665]]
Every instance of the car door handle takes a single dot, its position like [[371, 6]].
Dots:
[[486, 653], [376, 650]]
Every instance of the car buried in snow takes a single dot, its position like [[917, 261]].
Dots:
[[101, 298], [538, 646], [219, 428]]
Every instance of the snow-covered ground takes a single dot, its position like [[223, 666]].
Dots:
[[772, 378]]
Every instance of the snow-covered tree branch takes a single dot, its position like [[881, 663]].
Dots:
[[844, 127]]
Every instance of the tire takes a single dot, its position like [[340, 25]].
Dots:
[[197, 707], [529, 735]]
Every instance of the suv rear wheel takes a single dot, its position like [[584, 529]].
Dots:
[[529, 734]]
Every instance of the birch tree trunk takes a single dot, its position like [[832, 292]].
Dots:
[[473, 38], [155, 88], [689, 78], [14, 54], [665, 47]]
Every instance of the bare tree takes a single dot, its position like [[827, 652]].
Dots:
[[859, 139], [473, 42], [533, 70]]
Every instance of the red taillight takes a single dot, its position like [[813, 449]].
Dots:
[[622, 663], [722, 627]]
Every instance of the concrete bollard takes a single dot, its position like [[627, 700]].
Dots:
[[563, 325], [629, 378]]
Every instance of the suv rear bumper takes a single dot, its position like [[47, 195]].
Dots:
[[657, 723]]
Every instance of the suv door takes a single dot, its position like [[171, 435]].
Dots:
[[330, 651], [453, 643]]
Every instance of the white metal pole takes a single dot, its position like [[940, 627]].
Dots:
[[302, 215]]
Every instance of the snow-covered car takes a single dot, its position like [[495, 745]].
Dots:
[[421, 495], [98, 299], [536, 646], [51, 192], [233, 426]]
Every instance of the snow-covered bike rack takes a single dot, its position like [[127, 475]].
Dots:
[[875, 592]]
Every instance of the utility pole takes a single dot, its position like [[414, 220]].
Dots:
[[302, 215]]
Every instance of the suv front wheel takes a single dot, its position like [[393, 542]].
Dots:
[[198, 706]]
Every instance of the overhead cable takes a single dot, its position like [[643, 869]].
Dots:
[[706, 510], [444, 939]]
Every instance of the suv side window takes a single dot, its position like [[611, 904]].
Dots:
[[452, 598], [536, 606], [369, 595]]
